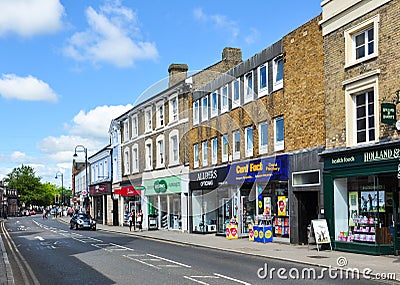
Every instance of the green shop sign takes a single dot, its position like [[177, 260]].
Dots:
[[388, 113], [164, 185]]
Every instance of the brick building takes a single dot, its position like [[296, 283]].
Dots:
[[362, 143]]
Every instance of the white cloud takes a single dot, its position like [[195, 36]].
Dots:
[[112, 37], [25, 88], [252, 36], [30, 17], [220, 22]]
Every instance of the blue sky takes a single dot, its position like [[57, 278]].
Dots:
[[68, 67]]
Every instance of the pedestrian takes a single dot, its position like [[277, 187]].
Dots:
[[139, 219], [44, 213], [131, 219]]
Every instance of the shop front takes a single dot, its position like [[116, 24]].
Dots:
[[259, 194], [129, 197], [363, 184], [167, 202], [99, 193], [209, 200]]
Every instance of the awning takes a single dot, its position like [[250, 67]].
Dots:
[[129, 191]]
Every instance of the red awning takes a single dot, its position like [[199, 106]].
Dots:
[[127, 191]]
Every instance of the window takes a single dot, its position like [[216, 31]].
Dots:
[[236, 145], [278, 72], [236, 93], [160, 151], [263, 80], [225, 148], [249, 141], [214, 151], [135, 130], [214, 104], [306, 178], [135, 159], [263, 137], [248, 87], [173, 107], [160, 115], [361, 41], [149, 154], [204, 109], [365, 117], [126, 161], [279, 137], [224, 98], [126, 131], [196, 112], [195, 156], [174, 148], [148, 120], [204, 147]]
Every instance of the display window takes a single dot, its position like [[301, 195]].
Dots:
[[365, 209], [204, 211]]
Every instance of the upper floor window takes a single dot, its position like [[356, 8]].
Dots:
[[160, 115], [263, 138], [361, 41], [278, 72], [236, 93], [135, 130], [236, 144], [126, 130], [204, 109], [214, 104], [204, 147], [248, 87], [263, 80], [148, 120], [279, 136], [135, 159], [160, 151], [196, 112], [195, 155], [249, 141], [173, 107], [224, 98], [149, 154], [174, 148], [126, 161], [224, 148], [214, 151], [365, 117]]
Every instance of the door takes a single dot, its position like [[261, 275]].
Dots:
[[307, 211], [115, 212]]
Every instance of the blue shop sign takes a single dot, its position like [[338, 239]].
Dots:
[[259, 170]]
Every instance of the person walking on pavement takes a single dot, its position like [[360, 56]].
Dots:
[[140, 219], [131, 219]]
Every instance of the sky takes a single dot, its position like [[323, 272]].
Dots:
[[67, 67]]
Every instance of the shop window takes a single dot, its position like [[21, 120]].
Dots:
[[224, 148], [236, 93], [236, 145], [306, 178]]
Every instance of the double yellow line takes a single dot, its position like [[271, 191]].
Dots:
[[26, 272]]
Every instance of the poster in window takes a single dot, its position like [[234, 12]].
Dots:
[[282, 205], [353, 207], [267, 206], [370, 201]]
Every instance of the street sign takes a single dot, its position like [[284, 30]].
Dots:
[[84, 192]]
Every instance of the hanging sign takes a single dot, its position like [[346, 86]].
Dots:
[[388, 113]]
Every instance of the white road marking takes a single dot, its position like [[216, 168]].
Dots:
[[232, 279], [39, 238], [169, 260], [145, 263], [194, 280]]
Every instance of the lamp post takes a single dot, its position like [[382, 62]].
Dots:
[[84, 149], [62, 186]]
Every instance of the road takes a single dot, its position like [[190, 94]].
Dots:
[[46, 251]]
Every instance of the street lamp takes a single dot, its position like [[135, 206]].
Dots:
[[62, 186], [84, 149]]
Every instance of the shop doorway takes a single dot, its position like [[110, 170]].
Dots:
[[307, 211], [115, 212]]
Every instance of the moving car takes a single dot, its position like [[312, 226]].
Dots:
[[82, 221]]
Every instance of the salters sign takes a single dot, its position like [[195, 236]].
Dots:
[[164, 185], [208, 179]]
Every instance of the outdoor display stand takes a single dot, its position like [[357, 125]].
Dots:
[[263, 231], [319, 233], [231, 231]]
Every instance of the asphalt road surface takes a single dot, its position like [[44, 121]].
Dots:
[[46, 251]]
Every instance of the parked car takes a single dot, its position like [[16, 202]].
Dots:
[[32, 212], [82, 221]]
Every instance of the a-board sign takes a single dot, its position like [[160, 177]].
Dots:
[[321, 231]]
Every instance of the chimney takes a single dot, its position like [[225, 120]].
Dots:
[[177, 72], [232, 54]]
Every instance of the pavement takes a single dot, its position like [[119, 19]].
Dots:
[[383, 267]]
